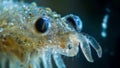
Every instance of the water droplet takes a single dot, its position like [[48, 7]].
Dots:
[[11, 23], [1, 29]]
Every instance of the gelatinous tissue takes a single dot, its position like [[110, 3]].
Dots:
[[31, 35]]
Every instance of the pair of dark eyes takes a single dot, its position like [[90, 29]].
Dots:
[[42, 24]]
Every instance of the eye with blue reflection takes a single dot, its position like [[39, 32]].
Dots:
[[42, 24], [75, 21]]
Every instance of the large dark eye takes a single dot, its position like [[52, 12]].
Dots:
[[42, 24], [75, 21]]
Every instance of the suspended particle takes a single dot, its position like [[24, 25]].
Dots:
[[104, 23], [103, 34]]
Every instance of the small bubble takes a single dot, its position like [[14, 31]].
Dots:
[[1, 29], [11, 23], [34, 4]]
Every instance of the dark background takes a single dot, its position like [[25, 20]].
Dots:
[[91, 13]]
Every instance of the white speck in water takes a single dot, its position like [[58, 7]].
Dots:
[[103, 34], [104, 26]]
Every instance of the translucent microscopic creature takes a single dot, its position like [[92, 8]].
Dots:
[[30, 35]]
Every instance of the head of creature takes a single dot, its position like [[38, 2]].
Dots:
[[30, 33]]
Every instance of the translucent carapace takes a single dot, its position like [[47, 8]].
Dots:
[[31, 34]]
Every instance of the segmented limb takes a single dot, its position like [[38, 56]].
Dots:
[[58, 60], [35, 63], [46, 59]]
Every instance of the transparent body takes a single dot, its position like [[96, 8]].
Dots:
[[21, 46]]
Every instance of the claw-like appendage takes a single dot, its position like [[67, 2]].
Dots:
[[95, 45], [85, 42]]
